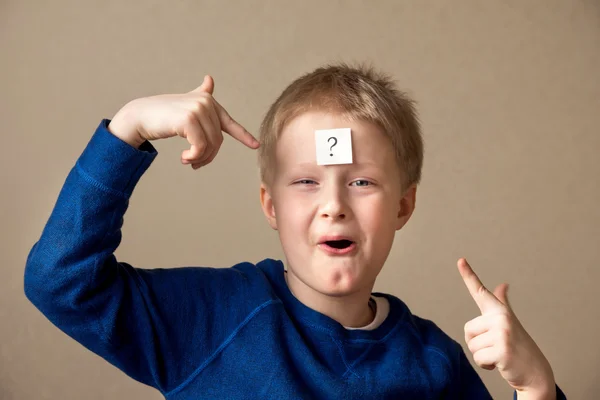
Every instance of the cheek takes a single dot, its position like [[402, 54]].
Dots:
[[378, 224], [293, 215], [376, 216]]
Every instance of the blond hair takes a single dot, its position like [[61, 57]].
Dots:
[[359, 93]]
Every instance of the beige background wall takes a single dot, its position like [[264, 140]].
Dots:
[[509, 95]]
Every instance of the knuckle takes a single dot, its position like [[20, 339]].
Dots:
[[197, 107], [200, 105], [505, 336], [482, 291], [467, 327], [202, 146], [226, 118], [503, 322], [505, 345], [207, 161], [189, 117], [203, 96], [507, 333], [471, 346], [203, 102], [504, 348]]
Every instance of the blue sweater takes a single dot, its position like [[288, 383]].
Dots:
[[217, 333]]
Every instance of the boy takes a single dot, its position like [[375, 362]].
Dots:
[[250, 331]]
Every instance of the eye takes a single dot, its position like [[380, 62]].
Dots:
[[362, 183], [305, 182]]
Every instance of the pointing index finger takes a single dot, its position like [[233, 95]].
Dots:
[[233, 128], [484, 299]]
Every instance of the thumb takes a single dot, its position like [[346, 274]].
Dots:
[[501, 292], [208, 85]]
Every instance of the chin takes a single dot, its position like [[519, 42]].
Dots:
[[340, 280]]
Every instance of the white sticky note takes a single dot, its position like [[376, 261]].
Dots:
[[334, 146]]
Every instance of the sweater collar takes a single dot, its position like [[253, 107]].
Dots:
[[311, 319]]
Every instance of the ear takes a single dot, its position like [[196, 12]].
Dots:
[[268, 207], [406, 206]]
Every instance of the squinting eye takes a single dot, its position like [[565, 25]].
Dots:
[[362, 182], [305, 181]]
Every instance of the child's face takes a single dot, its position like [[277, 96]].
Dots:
[[362, 202]]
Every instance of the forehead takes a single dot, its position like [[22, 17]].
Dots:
[[296, 143]]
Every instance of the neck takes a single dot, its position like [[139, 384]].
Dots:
[[352, 311]]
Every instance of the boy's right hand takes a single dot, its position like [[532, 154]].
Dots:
[[195, 115]]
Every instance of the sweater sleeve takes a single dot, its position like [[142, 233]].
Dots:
[[470, 385], [156, 325], [559, 394]]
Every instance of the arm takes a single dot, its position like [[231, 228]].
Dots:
[[141, 321]]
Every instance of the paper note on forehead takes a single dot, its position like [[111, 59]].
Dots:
[[334, 146]]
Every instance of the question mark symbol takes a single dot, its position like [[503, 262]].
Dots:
[[334, 143]]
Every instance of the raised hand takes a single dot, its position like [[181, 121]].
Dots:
[[498, 340], [195, 116]]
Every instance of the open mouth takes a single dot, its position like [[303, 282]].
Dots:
[[339, 244], [338, 247]]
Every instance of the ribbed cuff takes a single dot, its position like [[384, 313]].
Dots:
[[559, 394], [114, 163]]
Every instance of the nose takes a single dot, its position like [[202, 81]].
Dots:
[[333, 204]]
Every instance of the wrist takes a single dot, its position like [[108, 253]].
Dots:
[[547, 392], [124, 126]]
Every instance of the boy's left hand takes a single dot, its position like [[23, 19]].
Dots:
[[498, 340]]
